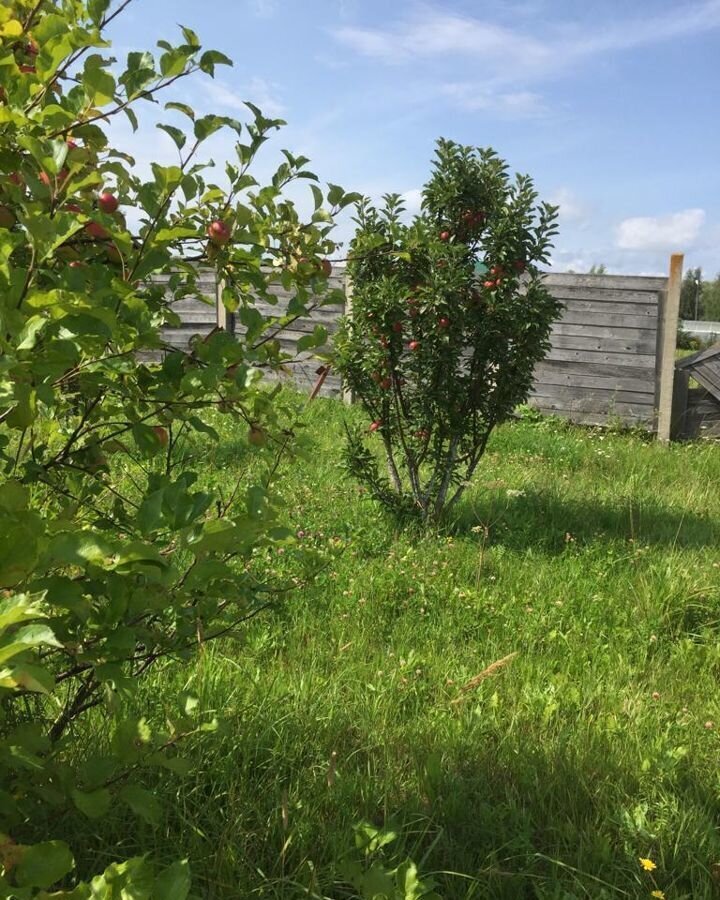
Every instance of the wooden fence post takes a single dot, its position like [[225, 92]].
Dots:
[[667, 341], [347, 395], [223, 317]]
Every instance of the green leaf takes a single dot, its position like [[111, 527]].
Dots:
[[183, 108], [212, 58], [176, 134], [173, 883], [97, 81], [94, 804], [42, 865], [21, 608], [26, 639], [190, 37], [28, 678], [142, 803], [32, 328], [97, 9]]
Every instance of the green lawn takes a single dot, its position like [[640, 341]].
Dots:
[[595, 557]]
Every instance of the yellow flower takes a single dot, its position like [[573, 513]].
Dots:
[[659, 894], [647, 864]]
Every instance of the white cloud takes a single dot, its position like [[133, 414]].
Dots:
[[676, 231], [514, 104], [512, 55], [259, 91], [412, 201], [572, 207]]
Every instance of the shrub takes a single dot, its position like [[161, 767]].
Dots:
[[117, 548], [449, 318]]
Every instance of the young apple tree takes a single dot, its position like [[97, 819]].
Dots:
[[119, 549], [449, 318]]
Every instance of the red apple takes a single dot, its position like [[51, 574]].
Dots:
[[27, 70], [375, 425], [496, 270], [15, 178], [519, 265], [422, 434], [7, 217], [219, 233], [45, 178], [256, 436], [385, 384], [162, 435], [326, 267], [444, 322], [32, 48], [414, 345], [71, 145], [444, 235], [72, 207], [498, 282], [97, 231], [489, 284], [76, 264], [108, 202], [397, 327]]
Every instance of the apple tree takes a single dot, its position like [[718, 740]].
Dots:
[[449, 318], [118, 549]]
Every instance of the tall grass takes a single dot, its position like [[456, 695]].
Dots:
[[594, 560]]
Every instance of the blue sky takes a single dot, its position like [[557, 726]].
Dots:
[[612, 107]]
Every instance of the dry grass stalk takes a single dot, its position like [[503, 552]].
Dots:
[[492, 669]]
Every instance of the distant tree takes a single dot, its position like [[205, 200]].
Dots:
[[597, 269], [691, 295], [711, 299]]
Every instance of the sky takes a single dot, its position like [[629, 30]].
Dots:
[[612, 107]]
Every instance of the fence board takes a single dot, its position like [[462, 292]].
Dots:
[[576, 394], [633, 283], [601, 331]]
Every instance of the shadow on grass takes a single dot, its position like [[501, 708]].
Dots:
[[547, 522], [562, 824]]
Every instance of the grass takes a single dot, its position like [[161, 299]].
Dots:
[[595, 557]]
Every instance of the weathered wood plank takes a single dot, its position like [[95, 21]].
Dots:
[[640, 360], [587, 418], [608, 319], [645, 374], [600, 345], [629, 411], [577, 395], [608, 282], [605, 302], [599, 331], [609, 383]]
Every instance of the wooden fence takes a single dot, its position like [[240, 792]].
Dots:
[[611, 359]]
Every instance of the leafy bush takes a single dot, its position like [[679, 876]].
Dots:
[[449, 318], [116, 549]]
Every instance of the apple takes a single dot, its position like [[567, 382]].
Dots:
[[385, 384], [15, 178], [383, 341], [161, 434], [45, 178], [498, 282], [414, 345], [219, 233], [444, 235], [375, 425], [256, 436], [32, 48], [422, 434], [326, 267], [97, 231], [7, 217], [27, 70], [397, 327], [444, 322], [489, 284], [71, 145], [72, 208], [519, 265], [77, 264], [108, 202], [113, 254], [496, 270]]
